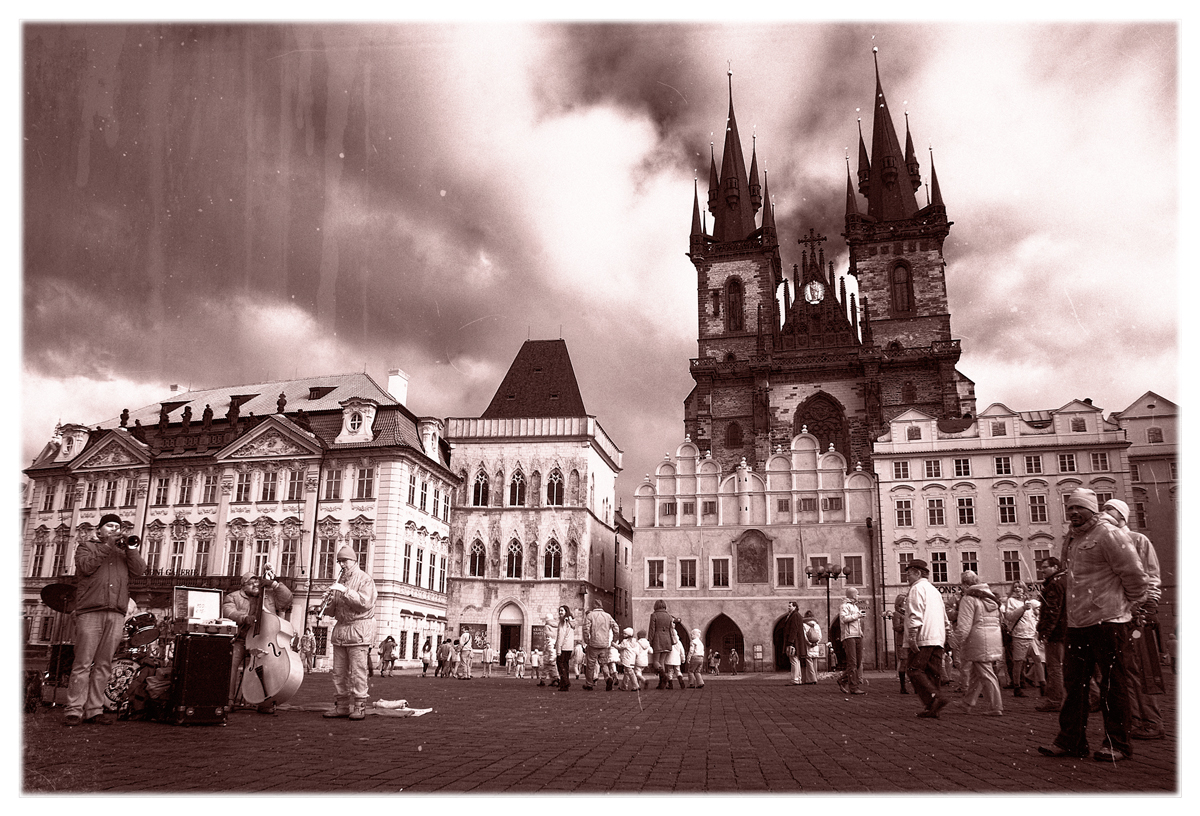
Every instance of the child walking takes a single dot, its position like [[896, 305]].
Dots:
[[628, 649], [696, 661], [675, 658]]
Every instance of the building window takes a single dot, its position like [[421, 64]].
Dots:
[[512, 568], [1033, 464], [970, 561], [904, 516], [432, 570], [110, 493], [289, 558], [815, 562], [130, 492], [854, 564], [966, 511], [1003, 466], [326, 562], [1135, 473], [39, 558], [262, 555], [1139, 512], [242, 493], [553, 560], [176, 565], [1174, 468], [783, 505], [407, 563], [962, 467], [333, 485], [1101, 498], [554, 488], [210, 489], [516, 490], [1040, 555], [1012, 566], [477, 560], [668, 508], [412, 488], [999, 429], [733, 435], [689, 508], [687, 573], [295, 485], [938, 568], [936, 510], [654, 573], [1007, 506], [902, 290], [424, 495], [785, 572], [1066, 463], [365, 487], [1099, 461], [442, 574], [203, 549], [899, 470], [933, 468], [186, 485], [720, 572], [421, 567], [89, 496], [48, 499], [270, 486], [1078, 425], [913, 433], [237, 548], [1154, 435], [360, 546], [708, 508], [808, 505], [904, 560], [1037, 510], [831, 503], [734, 318], [69, 497], [355, 422], [446, 506]]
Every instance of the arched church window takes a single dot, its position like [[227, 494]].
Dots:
[[516, 490], [513, 562], [902, 290], [554, 488], [479, 496], [478, 559], [553, 560], [826, 420], [733, 435], [734, 319]]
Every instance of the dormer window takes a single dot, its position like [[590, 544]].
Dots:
[[356, 422], [68, 444], [358, 419]]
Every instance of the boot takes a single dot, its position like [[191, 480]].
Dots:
[[681, 685], [671, 684], [903, 686], [662, 680], [608, 684], [341, 708], [358, 710]]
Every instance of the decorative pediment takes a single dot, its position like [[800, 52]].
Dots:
[[118, 450], [273, 437]]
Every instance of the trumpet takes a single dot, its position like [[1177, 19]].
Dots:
[[331, 595], [131, 542]]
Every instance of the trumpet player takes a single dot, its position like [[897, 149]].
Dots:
[[352, 602], [103, 565]]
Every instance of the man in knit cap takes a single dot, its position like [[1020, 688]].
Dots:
[[239, 608], [353, 604], [1105, 581], [103, 565]]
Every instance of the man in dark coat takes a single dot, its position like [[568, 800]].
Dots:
[[794, 643], [1052, 630]]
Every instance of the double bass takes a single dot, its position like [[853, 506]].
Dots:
[[273, 671]]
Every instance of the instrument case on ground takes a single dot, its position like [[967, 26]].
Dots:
[[200, 680]]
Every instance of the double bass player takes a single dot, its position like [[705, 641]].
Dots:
[[352, 602], [239, 607]]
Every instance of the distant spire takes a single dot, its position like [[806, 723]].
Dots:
[[933, 182], [910, 157], [697, 230], [734, 215], [853, 312], [756, 198], [842, 287], [892, 196], [867, 340], [714, 183], [768, 219], [851, 199], [864, 164]]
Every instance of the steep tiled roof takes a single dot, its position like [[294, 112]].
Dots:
[[539, 383]]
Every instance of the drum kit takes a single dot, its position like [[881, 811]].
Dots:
[[139, 646]]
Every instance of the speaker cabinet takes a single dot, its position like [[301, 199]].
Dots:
[[200, 679]]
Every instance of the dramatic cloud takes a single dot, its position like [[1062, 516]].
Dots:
[[208, 205]]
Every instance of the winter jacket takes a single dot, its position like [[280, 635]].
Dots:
[[599, 629], [629, 651], [1052, 623], [564, 640], [1022, 622], [659, 631], [851, 617], [355, 611], [237, 606], [793, 633], [103, 571], [926, 619], [643, 656], [1105, 577], [675, 656], [977, 636]]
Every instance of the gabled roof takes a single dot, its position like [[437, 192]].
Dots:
[[1162, 406], [912, 415], [1078, 406], [112, 449], [539, 383], [997, 409], [274, 436]]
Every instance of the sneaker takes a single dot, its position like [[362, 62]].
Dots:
[[72, 720], [1109, 755], [858, 691], [938, 704], [1147, 734], [993, 713], [1057, 751]]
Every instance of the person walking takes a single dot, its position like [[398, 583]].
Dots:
[[387, 657], [926, 635], [899, 610], [564, 642], [734, 661], [1020, 616], [976, 640], [489, 657], [851, 616], [308, 651], [599, 632], [643, 659], [695, 661], [427, 657], [674, 659], [658, 632], [1052, 631], [1105, 581], [466, 653], [794, 644], [812, 649]]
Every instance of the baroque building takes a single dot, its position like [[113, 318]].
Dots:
[[534, 526], [229, 480], [778, 353]]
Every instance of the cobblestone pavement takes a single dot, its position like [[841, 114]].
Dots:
[[748, 733]]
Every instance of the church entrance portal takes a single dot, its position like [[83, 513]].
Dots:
[[724, 635]]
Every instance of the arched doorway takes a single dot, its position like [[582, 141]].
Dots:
[[723, 635], [511, 623], [782, 662]]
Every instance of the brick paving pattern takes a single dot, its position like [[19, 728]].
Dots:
[[751, 733]]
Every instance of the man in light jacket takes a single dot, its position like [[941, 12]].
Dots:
[[353, 606], [599, 633], [926, 634], [851, 617]]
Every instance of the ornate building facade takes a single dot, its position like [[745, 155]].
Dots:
[[534, 526], [230, 480]]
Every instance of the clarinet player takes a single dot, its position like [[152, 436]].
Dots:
[[352, 602]]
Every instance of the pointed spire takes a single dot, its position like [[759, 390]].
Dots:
[[910, 157], [734, 214], [714, 183], [891, 196], [936, 200], [867, 340], [853, 313], [756, 198], [851, 199], [864, 164], [842, 293], [697, 230], [768, 219]]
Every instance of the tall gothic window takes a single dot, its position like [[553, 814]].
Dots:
[[479, 497], [554, 488], [516, 490], [826, 420], [902, 290], [735, 320], [553, 560], [512, 567], [478, 559]]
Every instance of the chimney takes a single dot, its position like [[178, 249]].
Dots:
[[174, 388], [398, 385]]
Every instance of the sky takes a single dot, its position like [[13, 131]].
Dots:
[[206, 205]]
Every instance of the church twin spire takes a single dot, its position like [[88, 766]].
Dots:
[[735, 195]]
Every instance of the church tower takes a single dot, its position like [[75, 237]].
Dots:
[[780, 355]]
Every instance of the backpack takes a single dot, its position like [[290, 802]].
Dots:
[[812, 635]]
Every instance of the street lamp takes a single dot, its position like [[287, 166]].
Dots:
[[826, 573]]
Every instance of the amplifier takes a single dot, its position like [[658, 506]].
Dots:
[[200, 679]]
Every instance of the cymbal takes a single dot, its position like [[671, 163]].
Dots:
[[59, 597]]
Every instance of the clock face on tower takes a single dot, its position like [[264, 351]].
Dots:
[[813, 292]]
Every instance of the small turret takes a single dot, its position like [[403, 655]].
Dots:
[[910, 157]]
